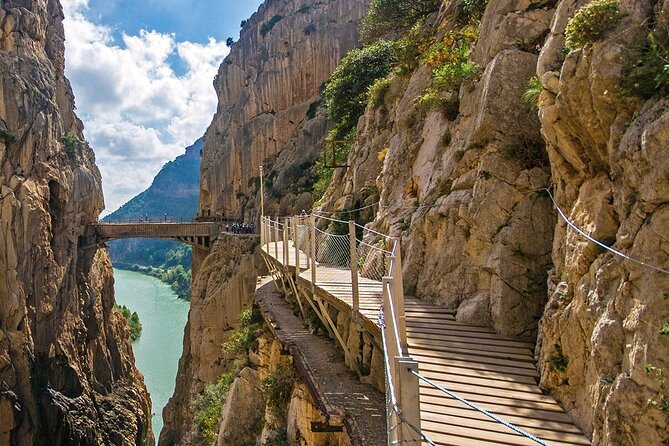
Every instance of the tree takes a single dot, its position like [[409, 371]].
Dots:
[[229, 41], [392, 16], [347, 91]]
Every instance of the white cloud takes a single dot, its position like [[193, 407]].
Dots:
[[139, 113]]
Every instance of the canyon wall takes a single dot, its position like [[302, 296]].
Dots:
[[605, 316], [67, 373], [222, 287], [465, 191], [268, 90]]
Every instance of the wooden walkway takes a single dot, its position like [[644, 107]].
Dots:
[[494, 372]]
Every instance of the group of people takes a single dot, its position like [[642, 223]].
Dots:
[[239, 228]]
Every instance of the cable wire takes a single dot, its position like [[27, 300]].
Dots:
[[600, 244], [479, 409]]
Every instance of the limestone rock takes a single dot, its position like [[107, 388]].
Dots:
[[243, 409], [222, 287], [67, 373]]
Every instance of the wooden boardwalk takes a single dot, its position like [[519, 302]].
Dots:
[[495, 372]]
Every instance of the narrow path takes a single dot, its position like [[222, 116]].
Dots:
[[337, 388]]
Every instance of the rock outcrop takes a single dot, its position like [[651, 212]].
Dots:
[[603, 348], [67, 373], [461, 188], [268, 89], [222, 288]]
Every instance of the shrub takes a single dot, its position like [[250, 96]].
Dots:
[[591, 22], [132, 320], [7, 136], [207, 407], [267, 27], [243, 23], [558, 360], [391, 16], [347, 91], [646, 70], [472, 10], [72, 144], [378, 91], [450, 58], [245, 336], [229, 42], [533, 91], [278, 388], [309, 29], [313, 108]]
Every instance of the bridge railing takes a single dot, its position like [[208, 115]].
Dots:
[[330, 246]]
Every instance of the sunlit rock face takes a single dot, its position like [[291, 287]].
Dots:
[[265, 89], [67, 373]]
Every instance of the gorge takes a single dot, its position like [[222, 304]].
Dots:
[[480, 136]]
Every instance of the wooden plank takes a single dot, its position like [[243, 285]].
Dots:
[[448, 347], [456, 342], [449, 330], [440, 358], [485, 400], [498, 432], [449, 336], [444, 405], [510, 394], [465, 371], [480, 381]]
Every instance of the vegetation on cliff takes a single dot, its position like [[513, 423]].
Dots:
[[132, 320]]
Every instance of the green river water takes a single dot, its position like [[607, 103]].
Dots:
[[163, 316]]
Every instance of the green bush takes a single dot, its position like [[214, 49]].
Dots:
[[378, 91], [267, 27], [245, 336], [278, 388], [646, 70], [347, 91], [591, 22], [72, 144], [207, 407], [132, 320], [533, 91], [391, 16], [450, 58], [558, 360]]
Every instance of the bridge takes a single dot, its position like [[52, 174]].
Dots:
[[194, 233], [447, 383]]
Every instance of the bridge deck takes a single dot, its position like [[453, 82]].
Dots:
[[495, 372]]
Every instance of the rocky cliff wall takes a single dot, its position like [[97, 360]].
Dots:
[[459, 186], [463, 189], [268, 90], [67, 373], [222, 287], [605, 316]]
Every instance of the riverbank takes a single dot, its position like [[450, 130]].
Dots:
[[177, 277]]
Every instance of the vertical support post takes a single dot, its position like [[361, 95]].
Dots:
[[276, 239], [407, 391], [296, 239], [262, 231], [353, 248], [312, 247], [286, 251], [398, 297], [262, 192], [391, 337]]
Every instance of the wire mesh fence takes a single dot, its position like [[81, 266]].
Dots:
[[373, 255]]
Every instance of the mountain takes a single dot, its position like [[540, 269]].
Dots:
[[174, 192]]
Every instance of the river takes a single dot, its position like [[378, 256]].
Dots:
[[163, 316]]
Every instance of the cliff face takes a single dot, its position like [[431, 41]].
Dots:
[[67, 373], [222, 288], [611, 175], [464, 189], [266, 87]]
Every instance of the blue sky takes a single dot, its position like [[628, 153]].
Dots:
[[142, 74]]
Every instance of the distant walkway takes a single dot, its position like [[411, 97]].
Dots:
[[475, 387], [190, 232], [338, 392]]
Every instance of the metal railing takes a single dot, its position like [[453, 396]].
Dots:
[[370, 257]]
